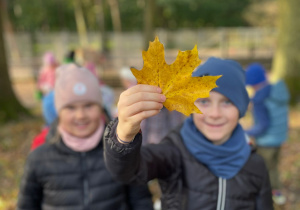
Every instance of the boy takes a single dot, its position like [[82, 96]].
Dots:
[[204, 164]]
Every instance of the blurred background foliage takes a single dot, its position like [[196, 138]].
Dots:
[[56, 15]]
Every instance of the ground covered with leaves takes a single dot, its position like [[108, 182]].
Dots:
[[15, 141], [16, 137]]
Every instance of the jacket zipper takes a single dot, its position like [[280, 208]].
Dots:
[[222, 194], [85, 181]]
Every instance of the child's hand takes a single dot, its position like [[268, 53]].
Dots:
[[136, 104]]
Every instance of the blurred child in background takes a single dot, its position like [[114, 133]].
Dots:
[[270, 129], [69, 171], [46, 78], [127, 78], [70, 57], [49, 115]]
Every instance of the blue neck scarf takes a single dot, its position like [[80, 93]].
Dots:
[[224, 160]]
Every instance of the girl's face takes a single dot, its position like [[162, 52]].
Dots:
[[219, 118], [80, 119]]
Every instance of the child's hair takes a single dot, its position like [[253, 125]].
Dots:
[[231, 84], [74, 84]]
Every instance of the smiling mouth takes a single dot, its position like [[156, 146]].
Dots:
[[81, 124], [215, 125]]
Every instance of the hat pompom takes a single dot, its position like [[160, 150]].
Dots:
[[255, 74]]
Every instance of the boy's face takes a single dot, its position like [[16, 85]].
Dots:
[[219, 118], [80, 119]]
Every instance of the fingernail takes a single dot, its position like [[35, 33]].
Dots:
[[163, 98], [158, 90]]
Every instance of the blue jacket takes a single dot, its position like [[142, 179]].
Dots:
[[270, 115], [260, 112]]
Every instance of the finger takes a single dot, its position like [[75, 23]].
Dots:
[[141, 107], [144, 115], [140, 97], [142, 88]]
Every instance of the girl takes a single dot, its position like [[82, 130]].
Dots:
[[69, 172]]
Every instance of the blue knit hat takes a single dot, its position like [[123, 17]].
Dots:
[[255, 74], [232, 82]]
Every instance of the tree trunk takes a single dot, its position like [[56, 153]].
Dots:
[[8, 27], [148, 22], [80, 22], [10, 108], [115, 15], [100, 18], [286, 63]]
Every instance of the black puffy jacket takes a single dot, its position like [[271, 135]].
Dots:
[[57, 178], [186, 183]]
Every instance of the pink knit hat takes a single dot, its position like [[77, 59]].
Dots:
[[74, 84]]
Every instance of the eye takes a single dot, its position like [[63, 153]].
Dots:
[[88, 105], [70, 107], [202, 101], [227, 102]]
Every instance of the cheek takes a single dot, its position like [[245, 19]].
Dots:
[[232, 122], [64, 123], [205, 109], [199, 116], [65, 120], [95, 114], [233, 115], [198, 120]]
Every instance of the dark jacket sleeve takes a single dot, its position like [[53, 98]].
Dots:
[[132, 164], [30, 194], [264, 198], [139, 197]]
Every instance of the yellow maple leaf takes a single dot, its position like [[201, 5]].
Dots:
[[175, 80]]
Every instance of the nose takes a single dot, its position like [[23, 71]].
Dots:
[[80, 113], [215, 111]]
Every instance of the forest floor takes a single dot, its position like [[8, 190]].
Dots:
[[16, 137]]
